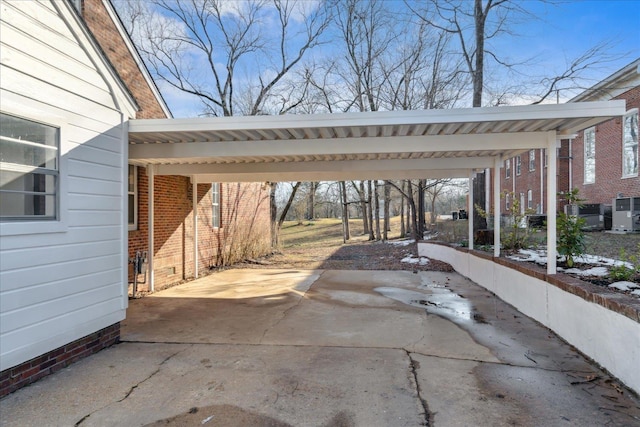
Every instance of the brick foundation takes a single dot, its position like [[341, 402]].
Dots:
[[32, 370]]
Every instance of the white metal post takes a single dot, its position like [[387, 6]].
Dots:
[[552, 188], [194, 200], [470, 209], [496, 208], [151, 170]]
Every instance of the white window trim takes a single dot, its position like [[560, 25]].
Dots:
[[632, 175], [216, 206], [529, 199], [507, 168], [584, 151], [518, 165], [59, 225], [134, 226], [532, 160]]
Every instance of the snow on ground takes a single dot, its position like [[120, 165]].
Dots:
[[624, 286], [401, 242], [411, 260], [598, 267]]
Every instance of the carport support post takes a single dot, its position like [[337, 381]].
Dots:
[[470, 209], [552, 188], [496, 207], [194, 202], [151, 171]]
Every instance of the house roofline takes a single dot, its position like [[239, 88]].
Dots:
[[136, 56], [606, 89]]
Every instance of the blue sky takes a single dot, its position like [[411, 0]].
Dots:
[[559, 32]]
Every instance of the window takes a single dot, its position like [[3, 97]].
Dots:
[[215, 205], [630, 144], [518, 165], [507, 168], [132, 197], [532, 160], [529, 199], [590, 156], [29, 173], [546, 157], [507, 199]]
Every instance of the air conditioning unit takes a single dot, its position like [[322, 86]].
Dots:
[[592, 213], [626, 214]]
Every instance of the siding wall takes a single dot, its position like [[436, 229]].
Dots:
[[63, 280]]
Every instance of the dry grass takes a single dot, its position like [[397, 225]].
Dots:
[[318, 245]]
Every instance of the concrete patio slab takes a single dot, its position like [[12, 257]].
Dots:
[[327, 348]]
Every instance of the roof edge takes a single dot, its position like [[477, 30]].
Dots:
[[626, 72], [136, 56]]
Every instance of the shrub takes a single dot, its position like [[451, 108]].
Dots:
[[623, 272], [569, 229]]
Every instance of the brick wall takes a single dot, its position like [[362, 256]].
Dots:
[[32, 370], [105, 32], [529, 179], [608, 181], [245, 227]]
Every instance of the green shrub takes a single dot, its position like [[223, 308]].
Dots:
[[569, 230], [623, 272]]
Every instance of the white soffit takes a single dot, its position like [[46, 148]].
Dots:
[[383, 145]]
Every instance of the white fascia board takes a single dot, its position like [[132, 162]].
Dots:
[[379, 118], [627, 77], [370, 166], [334, 176], [368, 145]]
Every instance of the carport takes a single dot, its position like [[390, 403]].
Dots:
[[455, 143]]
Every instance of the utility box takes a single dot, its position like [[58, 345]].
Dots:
[[626, 214], [592, 213]]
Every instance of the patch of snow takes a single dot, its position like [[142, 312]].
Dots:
[[530, 255], [636, 292], [594, 271], [402, 242], [411, 260], [624, 286]]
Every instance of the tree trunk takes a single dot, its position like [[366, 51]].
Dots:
[[403, 230], [410, 206], [387, 200], [376, 197], [311, 201], [421, 220], [363, 206], [283, 215], [370, 210], [274, 215], [345, 212]]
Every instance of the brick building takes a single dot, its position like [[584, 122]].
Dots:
[[607, 166], [241, 224]]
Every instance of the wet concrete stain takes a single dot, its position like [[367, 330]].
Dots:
[[234, 416]]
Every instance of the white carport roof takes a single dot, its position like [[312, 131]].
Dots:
[[351, 146]]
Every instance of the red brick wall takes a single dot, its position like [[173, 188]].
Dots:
[[244, 217], [32, 370], [104, 30], [527, 180], [608, 182]]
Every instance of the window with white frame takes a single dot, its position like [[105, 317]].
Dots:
[[29, 170], [507, 168], [532, 160], [132, 197], [590, 156], [529, 199], [215, 205], [518, 165], [630, 144], [507, 200]]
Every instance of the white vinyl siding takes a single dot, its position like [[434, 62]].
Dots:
[[64, 279], [630, 144], [590, 156]]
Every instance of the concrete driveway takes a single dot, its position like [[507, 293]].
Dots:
[[327, 348]]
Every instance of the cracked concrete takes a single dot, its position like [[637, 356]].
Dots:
[[327, 349]]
